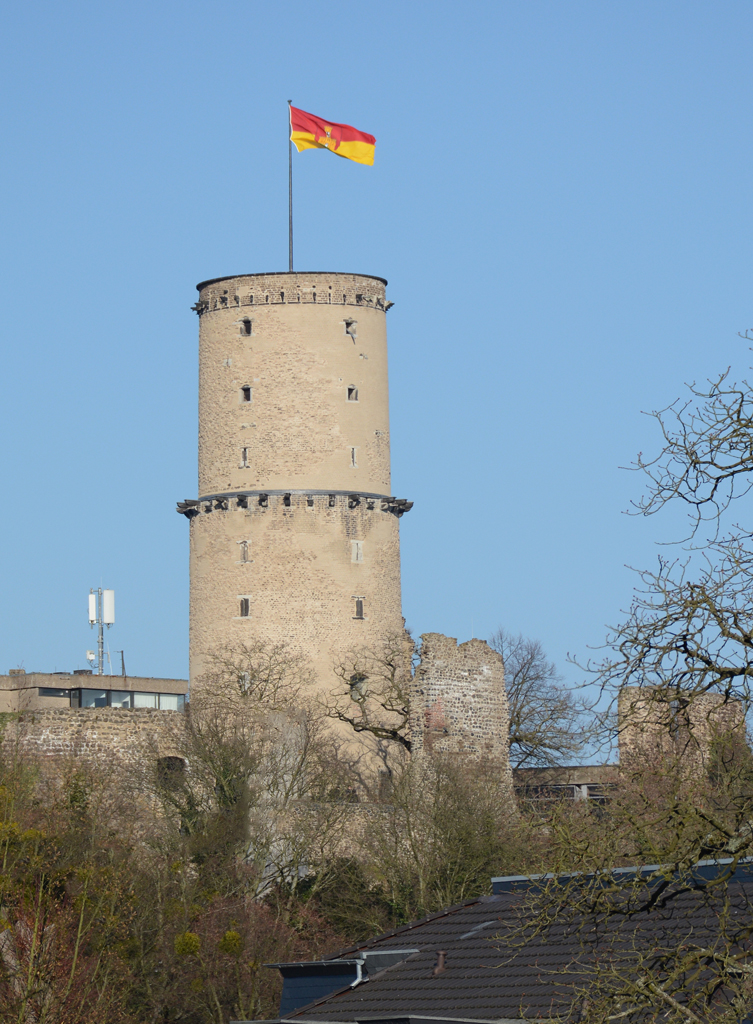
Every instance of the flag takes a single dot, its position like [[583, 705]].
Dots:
[[307, 131]]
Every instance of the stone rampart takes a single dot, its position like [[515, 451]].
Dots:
[[101, 736]]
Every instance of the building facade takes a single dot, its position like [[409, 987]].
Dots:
[[22, 691], [295, 532]]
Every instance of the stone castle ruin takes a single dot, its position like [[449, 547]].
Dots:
[[295, 543], [685, 729], [294, 531]]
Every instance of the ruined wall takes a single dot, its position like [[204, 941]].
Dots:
[[101, 736], [459, 700], [654, 726], [294, 532]]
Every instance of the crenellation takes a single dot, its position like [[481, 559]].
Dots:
[[305, 289]]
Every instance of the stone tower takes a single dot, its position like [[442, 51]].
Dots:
[[294, 535]]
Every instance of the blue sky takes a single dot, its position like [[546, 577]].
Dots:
[[560, 201]]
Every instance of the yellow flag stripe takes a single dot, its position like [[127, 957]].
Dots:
[[360, 152]]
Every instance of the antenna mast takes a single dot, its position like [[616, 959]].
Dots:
[[101, 614]]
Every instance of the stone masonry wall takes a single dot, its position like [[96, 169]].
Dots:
[[100, 736], [293, 522], [653, 727], [459, 700]]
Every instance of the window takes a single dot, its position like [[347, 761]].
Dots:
[[243, 550], [94, 698], [352, 393], [353, 458], [51, 691], [350, 329], [244, 458], [356, 551], [168, 701], [120, 699], [145, 700], [245, 607], [246, 327], [359, 608], [246, 393]]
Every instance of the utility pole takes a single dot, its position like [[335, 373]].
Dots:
[[101, 614]]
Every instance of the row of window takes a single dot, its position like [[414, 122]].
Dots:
[[246, 326], [356, 550], [87, 698], [247, 393], [245, 456], [244, 608]]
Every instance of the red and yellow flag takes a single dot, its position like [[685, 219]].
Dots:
[[307, 131]]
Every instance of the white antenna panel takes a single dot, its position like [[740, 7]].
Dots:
[[92, 607], [108, 607]]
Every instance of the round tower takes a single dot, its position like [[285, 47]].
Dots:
[[294, 535]]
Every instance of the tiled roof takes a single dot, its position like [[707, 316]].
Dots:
[[494, 971]]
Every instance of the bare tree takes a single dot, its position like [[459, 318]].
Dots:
[[547, 722], [667, 941], [689, 629], [682, 662], [253, 773], [373, 693]]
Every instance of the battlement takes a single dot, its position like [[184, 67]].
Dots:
[[315, 288]]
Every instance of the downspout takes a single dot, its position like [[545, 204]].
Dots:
[[359, 975]]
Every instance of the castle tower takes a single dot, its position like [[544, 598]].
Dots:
[[294, 535]]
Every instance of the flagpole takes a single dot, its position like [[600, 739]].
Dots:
[[290, 189]]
